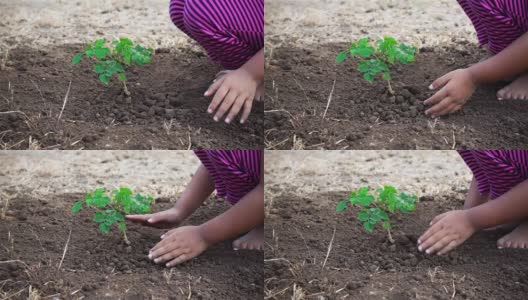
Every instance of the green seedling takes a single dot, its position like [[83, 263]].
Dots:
[[377, 208], [377, 58], [113, 59], [110, 210]]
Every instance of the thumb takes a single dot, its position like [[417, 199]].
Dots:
[[440, 82]]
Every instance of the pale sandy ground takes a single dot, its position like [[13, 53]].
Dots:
[[44, 23], [311, 172], [420, 22], [42, 173]]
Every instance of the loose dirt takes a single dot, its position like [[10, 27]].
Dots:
[[167, 110], [99, 266], [367, 116]]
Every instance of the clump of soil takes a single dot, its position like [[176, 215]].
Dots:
[[367, 266], [367, 116], [99, 266], [167, 109]]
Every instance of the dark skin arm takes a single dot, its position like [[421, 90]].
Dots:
[[474, 198], [181, 244], [196, 192], [452, 228], [458, 86], [236, 91]]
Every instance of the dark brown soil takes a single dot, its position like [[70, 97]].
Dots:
[[99, 266], [366, 116], [99, 117], [367, 266]]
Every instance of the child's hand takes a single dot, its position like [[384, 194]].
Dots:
[[447, 232], [179, 245], [164, 219], [233, 92], [456, 89]]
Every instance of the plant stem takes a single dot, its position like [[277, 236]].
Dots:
[[391, 91], [125, 89], [391, 240], [126, 238]]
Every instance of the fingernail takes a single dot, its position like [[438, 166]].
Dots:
[[236, 249], [242, 121], [215, 119], [209, 110], [150, 256], [206, 93], [150, 220], [420, 248], [430, 223], [419, 242], [427, 251], [227, 120], [431, 87], [163, 236], [168, 265], [156, 260]]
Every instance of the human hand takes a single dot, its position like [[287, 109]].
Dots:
[[233, 92], [456, 89], [164, 219], [179, 245], [447, 232]]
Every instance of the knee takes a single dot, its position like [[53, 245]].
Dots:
[[176, 8]]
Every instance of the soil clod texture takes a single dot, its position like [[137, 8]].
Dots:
[[167, 109], [99, 266], [300, 82], [367, 266]]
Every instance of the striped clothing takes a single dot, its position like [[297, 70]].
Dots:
[[498, 22], [231, 31], [234, 172], [497, 171]]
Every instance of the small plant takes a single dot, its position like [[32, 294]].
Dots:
[[377, 58], [112, 210], [113, 59], [378, 208]]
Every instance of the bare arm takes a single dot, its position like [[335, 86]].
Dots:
[[196, 192], [508, 208], [255, 66], [242, 217], [510, 62], [473, 197]]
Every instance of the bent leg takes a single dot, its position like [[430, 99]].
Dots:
[[230, 31]]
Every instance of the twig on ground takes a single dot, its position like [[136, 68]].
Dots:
[[65, 249], [65, 100], [329, 248], [329, 99], [38, 89], [4, 60]]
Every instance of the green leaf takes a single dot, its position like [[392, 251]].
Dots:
[[77, 58], [368, 226], [104, 79], [100, 217], [341, 57], [387, 225], [341, 205], [122, 77], [104, 227], [363, 215], [386, 76], [122, 226], [77, 207]]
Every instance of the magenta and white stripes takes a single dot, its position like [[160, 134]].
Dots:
[[231, 31], [497, 171], [234, 172], [498, 22]]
